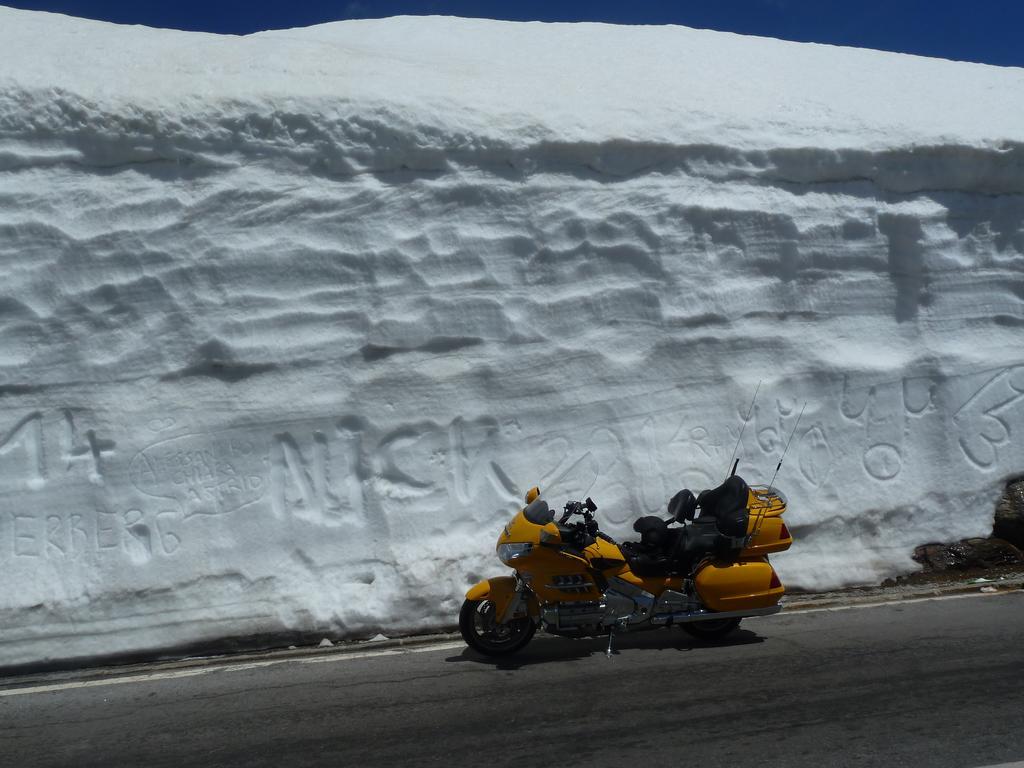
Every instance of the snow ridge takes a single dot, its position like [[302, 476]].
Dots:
[[57, 127]]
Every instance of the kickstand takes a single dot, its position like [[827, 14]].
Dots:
[[611, 636]]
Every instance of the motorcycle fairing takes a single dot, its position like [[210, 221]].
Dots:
[[550, 565], [501, 592], [653, 584]]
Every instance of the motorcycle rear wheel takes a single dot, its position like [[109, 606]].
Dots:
[[483, 634], [710, 631]]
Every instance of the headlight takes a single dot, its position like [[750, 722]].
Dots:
[[509, 552]]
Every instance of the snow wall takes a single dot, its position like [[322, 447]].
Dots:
[[288, 322]]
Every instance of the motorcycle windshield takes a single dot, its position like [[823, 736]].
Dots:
[[573, 483]]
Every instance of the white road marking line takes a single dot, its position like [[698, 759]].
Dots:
[[883, 603], [1005, 765], [107, 681], [445, 645], [174, 674]]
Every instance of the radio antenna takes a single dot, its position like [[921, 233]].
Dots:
[[771, 485], [738, 439], [786, 449]]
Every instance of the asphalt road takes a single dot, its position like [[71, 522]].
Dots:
[[933, 683]]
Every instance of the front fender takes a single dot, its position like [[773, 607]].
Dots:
[[501, 593]]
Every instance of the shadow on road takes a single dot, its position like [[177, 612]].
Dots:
[[544, 650]]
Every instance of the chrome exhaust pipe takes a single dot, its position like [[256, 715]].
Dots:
[[685, 617]]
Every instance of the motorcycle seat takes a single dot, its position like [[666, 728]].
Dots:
[[653, 554], [675, 551], [645, 562], [653, 532]]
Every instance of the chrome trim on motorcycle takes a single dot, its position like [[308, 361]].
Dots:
[[704, 615], [573, 616]]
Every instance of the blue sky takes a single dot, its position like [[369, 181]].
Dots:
[[989, 31]]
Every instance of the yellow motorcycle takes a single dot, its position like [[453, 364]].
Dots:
[[704, 569]]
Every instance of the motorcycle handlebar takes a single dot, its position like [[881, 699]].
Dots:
[[571, 508], [584, 508]]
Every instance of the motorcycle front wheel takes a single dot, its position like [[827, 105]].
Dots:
[[482, 633], [710, 631]]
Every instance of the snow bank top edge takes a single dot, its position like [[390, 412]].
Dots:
[[579, 82], [471, 20]]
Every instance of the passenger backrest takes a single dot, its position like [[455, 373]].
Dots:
[[727, 505], [683, 506]]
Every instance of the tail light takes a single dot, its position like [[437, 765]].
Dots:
[[775, 583], [784, 533]]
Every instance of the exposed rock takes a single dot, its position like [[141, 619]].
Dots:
[[1009, 521], [1002, 549], [967, 554]]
